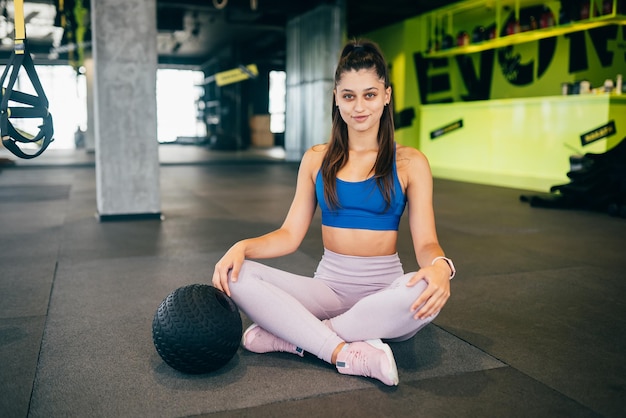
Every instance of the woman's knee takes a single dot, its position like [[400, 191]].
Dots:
[[247, 273], [253, 274], [415, 289]]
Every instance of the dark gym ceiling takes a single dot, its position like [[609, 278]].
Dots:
[[195, 32]]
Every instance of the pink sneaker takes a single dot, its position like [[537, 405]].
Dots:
[[371, 358], [257, 340]]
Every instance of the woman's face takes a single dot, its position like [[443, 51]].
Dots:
[[361, 97]]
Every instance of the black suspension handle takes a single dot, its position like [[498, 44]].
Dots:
[[31, 106]]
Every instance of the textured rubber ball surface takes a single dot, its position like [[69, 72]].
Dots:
[[197, 329]]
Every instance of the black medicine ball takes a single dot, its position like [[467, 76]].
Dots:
[[197, 329]]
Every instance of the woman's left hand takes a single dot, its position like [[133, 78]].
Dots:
[[435, 295]]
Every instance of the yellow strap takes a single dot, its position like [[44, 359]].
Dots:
[[20, 29]]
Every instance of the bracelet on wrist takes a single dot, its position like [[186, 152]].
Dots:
[[448, 261]]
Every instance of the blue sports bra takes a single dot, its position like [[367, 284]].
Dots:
[[362, 205]]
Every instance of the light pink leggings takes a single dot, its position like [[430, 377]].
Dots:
[[363, 297]]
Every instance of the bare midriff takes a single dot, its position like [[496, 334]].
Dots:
[[359, 242]]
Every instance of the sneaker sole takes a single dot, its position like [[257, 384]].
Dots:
[[393, 374]]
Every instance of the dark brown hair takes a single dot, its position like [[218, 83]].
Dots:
[[359, 55]]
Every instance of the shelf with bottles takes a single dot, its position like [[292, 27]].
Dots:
[[474, 26]]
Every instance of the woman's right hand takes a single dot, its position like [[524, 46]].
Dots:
[[230, 262], [283, 240]]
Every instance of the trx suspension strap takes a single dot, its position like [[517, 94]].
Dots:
[[30, 106]]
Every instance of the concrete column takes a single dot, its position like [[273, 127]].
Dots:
[[314, 41], [125, 64]]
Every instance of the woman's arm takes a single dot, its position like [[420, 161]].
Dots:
[[283, 240], [419, 192]]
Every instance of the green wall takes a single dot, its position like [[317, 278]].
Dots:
[[594, 55], [533, 70]]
